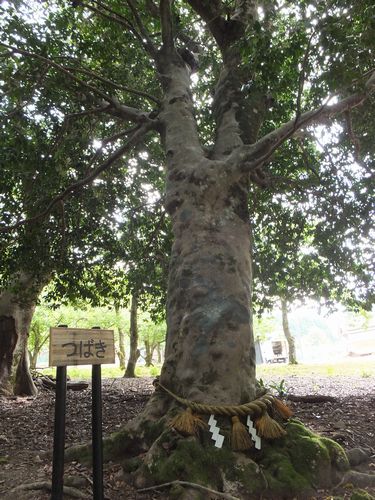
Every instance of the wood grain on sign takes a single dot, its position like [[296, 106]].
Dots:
[[78, 346]]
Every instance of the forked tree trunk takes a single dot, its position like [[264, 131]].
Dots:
[[288, 335], [16, 311], [209, 355], [14, 359], [133, 352], [149, 352]]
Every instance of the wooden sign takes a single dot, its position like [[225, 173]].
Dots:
[[78, 346]]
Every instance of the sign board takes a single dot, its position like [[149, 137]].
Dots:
[[79, 346]]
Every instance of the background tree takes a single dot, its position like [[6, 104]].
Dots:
[[47, 142], [134, 352], [267, 75]]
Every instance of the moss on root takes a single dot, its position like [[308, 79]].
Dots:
[[293, 466], [119, 445], [361, 495]]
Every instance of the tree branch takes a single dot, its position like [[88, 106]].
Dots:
[[150, 47], [248, 157], [215, 493], [166, 25], [55, 65], [115, 85], [137, 136], [211, 12], [93, 111], [127, 112], [113, 16], [116, 108], [35, 86], [302, 76], [245, 10]]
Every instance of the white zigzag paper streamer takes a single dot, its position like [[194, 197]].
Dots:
[[214, 429], [253, 433]]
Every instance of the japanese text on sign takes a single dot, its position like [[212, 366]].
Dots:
[[78, 346]]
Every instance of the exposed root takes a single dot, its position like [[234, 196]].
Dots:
[[357, 479], [218, 494], [47, 485]]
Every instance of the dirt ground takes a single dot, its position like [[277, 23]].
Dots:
[[26, 431]]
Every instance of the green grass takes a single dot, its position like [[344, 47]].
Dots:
[[84, 373], [349, 368]]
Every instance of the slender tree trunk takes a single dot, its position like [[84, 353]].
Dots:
[[158, 352], [149, 352], [121, 351], [121, 340], [288, 335], [134, 352], [33, 357]]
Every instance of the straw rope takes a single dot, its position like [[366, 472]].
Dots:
[[256, 407]]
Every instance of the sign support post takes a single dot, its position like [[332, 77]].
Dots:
[[97, 430], [59, 434], [78, 346]]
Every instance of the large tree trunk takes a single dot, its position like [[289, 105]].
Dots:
[[288, 335], [8, 342], [209, 346], [210, 355], [134, 352], [17, 305]]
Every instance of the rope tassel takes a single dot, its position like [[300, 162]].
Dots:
[[187, 423], [268, 428], [240, 438], [284, 410]]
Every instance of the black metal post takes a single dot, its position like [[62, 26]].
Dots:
[[59, 435], [97, 438]]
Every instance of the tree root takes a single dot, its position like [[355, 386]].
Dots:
[[311, 398], [358, 479], [47, 485], [219, 494]]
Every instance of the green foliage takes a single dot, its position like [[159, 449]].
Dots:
[[82, 315], [311, 227], [280, 388]]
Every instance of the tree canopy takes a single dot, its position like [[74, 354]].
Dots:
[[66, 98]]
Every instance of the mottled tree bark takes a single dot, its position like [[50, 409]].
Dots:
[[209, 334], [134, 352], [210, 355], [288, 335]]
